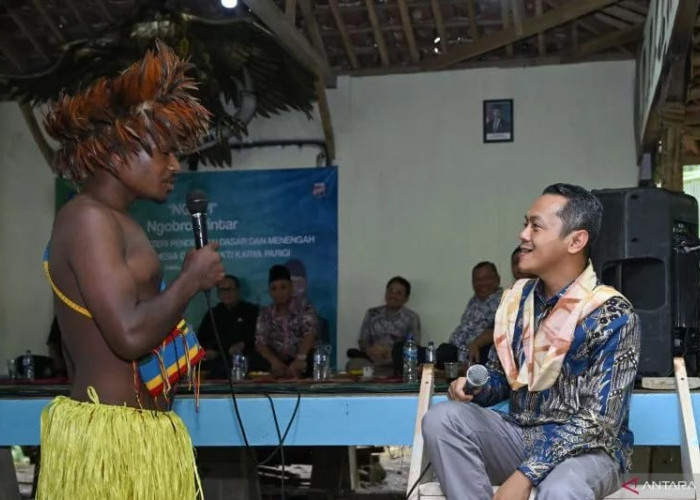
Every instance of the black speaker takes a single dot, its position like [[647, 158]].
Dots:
[[641, 251]]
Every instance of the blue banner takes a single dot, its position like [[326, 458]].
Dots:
[[259, 218]]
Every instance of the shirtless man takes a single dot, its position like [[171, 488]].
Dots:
[[102, 261]]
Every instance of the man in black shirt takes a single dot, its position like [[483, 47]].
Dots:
[[235, 321]]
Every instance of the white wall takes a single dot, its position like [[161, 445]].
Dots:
[[420, 195], [26, 215]]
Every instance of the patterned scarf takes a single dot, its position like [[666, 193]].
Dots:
[[546, 348]]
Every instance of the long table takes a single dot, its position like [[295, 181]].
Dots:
[[328, 414]]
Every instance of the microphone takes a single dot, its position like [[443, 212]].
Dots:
[[477, 376], [197, 205]]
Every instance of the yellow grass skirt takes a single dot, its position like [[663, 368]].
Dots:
[[91, 451]]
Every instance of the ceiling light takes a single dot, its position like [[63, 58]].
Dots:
[[437, 39], [229, 4]]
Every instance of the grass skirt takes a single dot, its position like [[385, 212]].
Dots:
[[92, 451]]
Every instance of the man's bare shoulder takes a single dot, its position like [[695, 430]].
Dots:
[[82, 221], [83, 212]]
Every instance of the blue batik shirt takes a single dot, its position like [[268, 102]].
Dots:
[[587, 407]]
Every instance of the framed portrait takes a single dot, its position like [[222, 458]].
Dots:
[[498, 120]]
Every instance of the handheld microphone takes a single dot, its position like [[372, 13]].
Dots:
[[477, 376], [197, 205]]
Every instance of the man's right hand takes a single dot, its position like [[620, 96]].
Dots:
[[204, 266], [378, 353], [456, 391]]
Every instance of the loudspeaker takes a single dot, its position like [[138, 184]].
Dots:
[[640, 251]]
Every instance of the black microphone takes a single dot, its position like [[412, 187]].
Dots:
[[477, 376], [197, 205]]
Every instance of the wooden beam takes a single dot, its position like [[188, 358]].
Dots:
[[690, 453], [38, 5], [541, 46], [326, 122], [671, 168], [611, 21], [625, 15], [473, 25], [439, 24], [307, 13], [516, 62], [633, 5], [589, 27], [622, 37], [377, 29], [37, 134], [518, 10], [505, 19], [574, 36], [81, 20], [290, 9], [531, 26], [104, 11], [408, 30], [289, 35], [29, 35], [10, 55], [347, 43]]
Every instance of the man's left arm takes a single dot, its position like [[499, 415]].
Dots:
[[604, 393], [309, 325]]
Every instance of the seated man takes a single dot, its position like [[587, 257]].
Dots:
[[285, 333], [515, 266], [385, 328], [566, 355], [235, 321], [475, 329], [297, 270]]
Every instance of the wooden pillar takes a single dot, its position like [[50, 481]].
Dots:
[[670, 165]]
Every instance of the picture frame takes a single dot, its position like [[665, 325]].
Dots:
[[497, 120]]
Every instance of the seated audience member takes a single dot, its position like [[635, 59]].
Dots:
[[475, 329], [297, 271], [565, 357], [285, 333], [235, 321], [515, 268], [58, 363], [385, 328]]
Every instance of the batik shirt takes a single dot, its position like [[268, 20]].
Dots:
[[587, 408], [383, 327], [479, 315], [283, 333]]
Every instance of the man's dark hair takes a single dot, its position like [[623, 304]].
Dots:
[[401, 281], [583, 210], [234, 279], [485, 263]]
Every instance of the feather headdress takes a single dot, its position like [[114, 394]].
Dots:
[[151, 100]]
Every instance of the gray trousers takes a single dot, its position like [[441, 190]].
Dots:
[[472, 448]]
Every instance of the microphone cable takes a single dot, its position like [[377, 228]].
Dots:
[[415, 485], [281, 437]]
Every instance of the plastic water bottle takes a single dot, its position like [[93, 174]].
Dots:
[[321, 363], [410, 361], [430, 353], [28, 365], [463, 358], [239, 367]]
